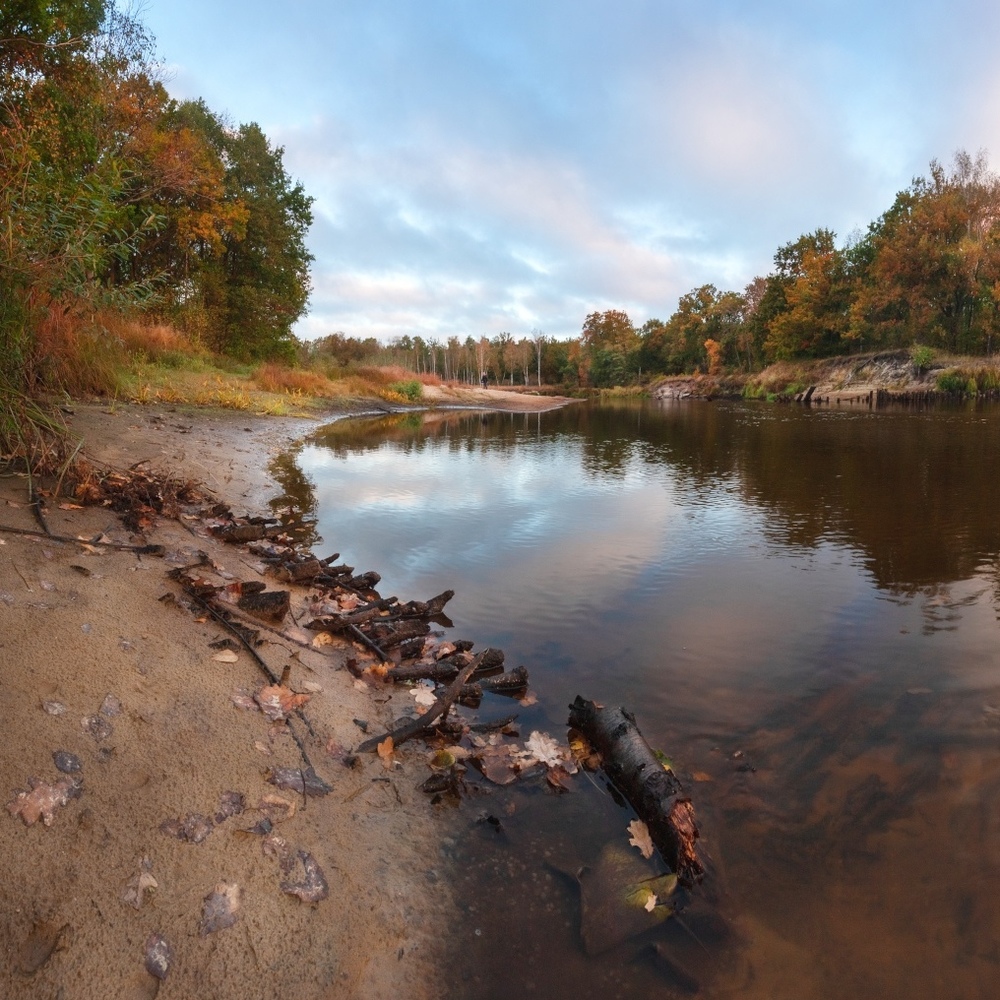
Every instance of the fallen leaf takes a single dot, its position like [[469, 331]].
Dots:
[[640, 837], [423, 696], [262, 747], [276, 808], [312, 887], [158, 956], [135, 891], [242, 700], [54, 707], [312, 687], [226, 656], [559, 778], [544, 749], [41, 802], [66, 762], [193, 828], [230, 804], [498, 763], [97, 726], [277, 701], [323, 639], [385, 752], [528, 700], [296, 779], [70, 506], [360, 685], [702, 776], [111, 706], [220, 908]]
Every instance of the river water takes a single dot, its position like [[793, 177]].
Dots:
[[801, 608]]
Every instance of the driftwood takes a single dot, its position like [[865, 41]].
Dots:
[[490, 661], [511, 685], [270, 604], [387, 636], [424, 722], [143, 550], [654, 793]]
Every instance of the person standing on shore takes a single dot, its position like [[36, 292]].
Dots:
[[484, 380]]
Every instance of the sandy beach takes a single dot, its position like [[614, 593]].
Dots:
[[114, 698]]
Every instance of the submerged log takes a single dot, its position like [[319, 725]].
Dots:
[[654, 793], [490, 661]]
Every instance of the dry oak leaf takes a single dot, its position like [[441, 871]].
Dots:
[[640, 838], [220, 908], [276, 701], [544, 749], [226, 656], [385, 749], [42, 801]]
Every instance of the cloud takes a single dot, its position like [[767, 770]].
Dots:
[[486, 167]]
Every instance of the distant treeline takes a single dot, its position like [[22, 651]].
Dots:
[[115, 196], [927, 272]]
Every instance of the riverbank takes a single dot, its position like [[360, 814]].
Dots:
[[104, 668], [844, 379]]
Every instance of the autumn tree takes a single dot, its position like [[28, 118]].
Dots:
[[610, 347], [934, 271], [812, 274]]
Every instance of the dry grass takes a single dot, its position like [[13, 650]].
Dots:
[[272, 377]]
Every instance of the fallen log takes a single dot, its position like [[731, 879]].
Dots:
[[654, 792]]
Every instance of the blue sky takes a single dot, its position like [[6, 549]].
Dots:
[[483, 166]]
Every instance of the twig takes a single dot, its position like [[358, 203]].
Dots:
[[370, 643], [145, 550], [268, 672], [423, 722], [31, 589]]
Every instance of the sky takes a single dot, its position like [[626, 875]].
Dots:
[[481, 166]]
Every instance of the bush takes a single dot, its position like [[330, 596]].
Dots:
[[951, 381], [411, 389], [921, 355]]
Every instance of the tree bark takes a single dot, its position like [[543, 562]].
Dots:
[[654, 793]]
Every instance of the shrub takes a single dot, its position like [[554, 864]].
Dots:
[[921, 355], [411, 389], [951, 381]]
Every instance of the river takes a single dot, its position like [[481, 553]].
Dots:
[[801, 608]]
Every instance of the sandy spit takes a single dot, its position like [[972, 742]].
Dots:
[[84, 636]]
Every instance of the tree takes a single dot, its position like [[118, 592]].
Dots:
[[816, 298], [610, 347], [934, 261]]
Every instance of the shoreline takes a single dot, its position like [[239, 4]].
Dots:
[[145, 711]]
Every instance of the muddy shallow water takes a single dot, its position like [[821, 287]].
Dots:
[[801, 609]]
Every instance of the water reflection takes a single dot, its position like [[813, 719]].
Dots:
[[800, 604]]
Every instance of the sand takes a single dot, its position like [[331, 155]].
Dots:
[[78, 624]]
